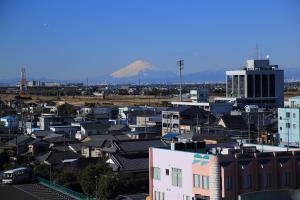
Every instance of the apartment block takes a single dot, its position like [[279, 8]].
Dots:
[[289, 123], [193, 171]]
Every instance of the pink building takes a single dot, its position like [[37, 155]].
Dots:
[[186, 172]]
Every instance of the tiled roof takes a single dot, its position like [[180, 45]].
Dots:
[[234, 122], [139, 145], [125, 162]]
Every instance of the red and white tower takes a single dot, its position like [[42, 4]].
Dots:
[[23, 82]]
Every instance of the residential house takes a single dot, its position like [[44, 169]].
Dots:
[[182, 119]]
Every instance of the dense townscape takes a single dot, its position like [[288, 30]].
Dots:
[[225, 141]]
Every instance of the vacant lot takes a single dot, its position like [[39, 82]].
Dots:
[[117, 100]]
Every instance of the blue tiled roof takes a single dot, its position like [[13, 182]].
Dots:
[[170, 135], [9, 118]]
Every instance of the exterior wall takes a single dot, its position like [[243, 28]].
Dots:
[[207, 165], [289, 134], [169, 122], [248, 173], [165, 159], [236, 88]]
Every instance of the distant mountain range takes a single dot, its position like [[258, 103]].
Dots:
[[144, 73]]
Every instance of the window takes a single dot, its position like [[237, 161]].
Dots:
[[155, 193], [294, 115], [280, 118], [196, 181], [294, 125], [205, 182], [163, 195], [187, 198], [175, 116], [175, 125], [280, 128], [287, 125], [166, 116], [176, 177], [167, 172], [156, 173], [287, 114], [228, 183], [247, 183], [286, 179], [268, 180]]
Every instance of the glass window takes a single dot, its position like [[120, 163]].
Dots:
[[155, 197], [294, 125], [196, 181], [187, 198], [294, 115], [287, 114], [286, 179], [176, 177], [156, 173], [228, 183], [205, 182], [268, 180], [163, 195], [167, 172], [247, 182], [287, 125]]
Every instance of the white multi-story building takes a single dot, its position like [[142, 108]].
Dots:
[[259, 83]]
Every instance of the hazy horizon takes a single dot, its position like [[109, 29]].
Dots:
[[72, 40]]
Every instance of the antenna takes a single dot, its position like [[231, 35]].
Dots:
[[180, 64], [257, 51]]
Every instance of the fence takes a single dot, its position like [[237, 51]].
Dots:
[[62, 189]]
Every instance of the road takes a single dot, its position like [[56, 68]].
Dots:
[[30, 192]]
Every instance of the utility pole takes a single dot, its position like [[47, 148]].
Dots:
[[249, 130], [180, 67], [96, 177]]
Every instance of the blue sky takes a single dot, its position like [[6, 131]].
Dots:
[[73, 39]]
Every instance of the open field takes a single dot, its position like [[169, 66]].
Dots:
[[110, 100]]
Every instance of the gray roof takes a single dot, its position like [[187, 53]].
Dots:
[[56, 157], [119, 127], [41, 133], [94, 143], [95, 126], [139, 145], [234, 121], [21, 139], [127, 163]]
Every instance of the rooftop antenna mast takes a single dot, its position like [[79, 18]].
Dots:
[[257, 52], [180, 64]]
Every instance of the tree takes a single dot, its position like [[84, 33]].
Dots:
[[4, 158], [108, 186], [69, 180], [66, 109], [42, 170], [88, 176]]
